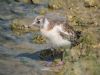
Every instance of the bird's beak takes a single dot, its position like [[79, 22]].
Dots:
[[31, 25], [34, 26]]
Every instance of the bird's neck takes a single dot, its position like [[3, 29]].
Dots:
[[46, 23]]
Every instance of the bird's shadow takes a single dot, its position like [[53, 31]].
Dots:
[[43, 55]]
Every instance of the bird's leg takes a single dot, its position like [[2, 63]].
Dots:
[[63, 56], [66, 54], [54, 51]]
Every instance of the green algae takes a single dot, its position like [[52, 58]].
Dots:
[[56, 4], [37, 1], [39, 39], [43, 11], [20, 26]]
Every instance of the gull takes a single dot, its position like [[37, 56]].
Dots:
[[58, 32]]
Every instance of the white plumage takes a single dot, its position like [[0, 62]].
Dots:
[[54, 36]]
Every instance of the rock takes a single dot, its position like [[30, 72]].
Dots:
[[90, 66], [37, 1], [77, 69], [39, 39], [21, 25], [91, 3], [55, 4], [41, 10]]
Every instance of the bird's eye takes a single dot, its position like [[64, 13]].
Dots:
[[38, 22]]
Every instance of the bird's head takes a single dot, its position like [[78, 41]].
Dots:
[[39, 21]]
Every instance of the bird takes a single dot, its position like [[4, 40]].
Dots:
[[58, 32]]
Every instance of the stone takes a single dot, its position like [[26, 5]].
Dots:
[[21, 25], [91, 3], [56, 4], [37, 1], [41, 10]]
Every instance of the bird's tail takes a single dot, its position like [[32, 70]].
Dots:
[[78, 34], [76, 41]]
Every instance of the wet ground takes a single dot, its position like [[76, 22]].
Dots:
[[20, 49]]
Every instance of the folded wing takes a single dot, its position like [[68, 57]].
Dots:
[[68, 33]]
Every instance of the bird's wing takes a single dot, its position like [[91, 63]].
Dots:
[[68, 33]]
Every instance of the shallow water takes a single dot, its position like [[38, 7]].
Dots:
[[19, 52], [18, 55]]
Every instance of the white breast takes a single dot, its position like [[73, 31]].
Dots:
[[55, 37]]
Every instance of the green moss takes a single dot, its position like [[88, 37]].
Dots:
[[39, 39], [56, 4], [78, 21], [37, 1], [20, 26], [91, 3], [17, 28], [90, 66], [43, 11]]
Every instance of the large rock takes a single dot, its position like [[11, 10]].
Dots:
[[21, 25], [56, 4], [91, 3]]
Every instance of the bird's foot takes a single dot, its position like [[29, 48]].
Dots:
[[48, 64], [60, 63], [59, 66], [54, 64]]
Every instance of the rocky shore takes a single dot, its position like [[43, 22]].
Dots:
[[21, 48]]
